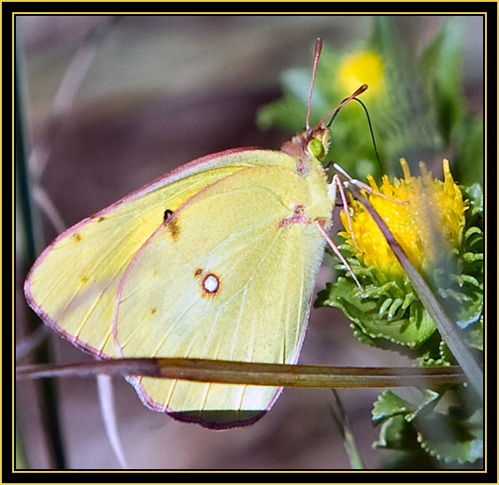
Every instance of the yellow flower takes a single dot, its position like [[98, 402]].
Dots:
[[362, 67], [430, 220]]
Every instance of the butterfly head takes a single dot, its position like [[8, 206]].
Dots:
[[309, 145], [313, 143], [317, 141]]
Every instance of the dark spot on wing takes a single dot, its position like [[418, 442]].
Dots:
[[198, 272], [167, 216], [171, 223], [76, 237], [153, 311], [101, 218]]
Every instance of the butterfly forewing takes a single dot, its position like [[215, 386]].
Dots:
[[74, 282]]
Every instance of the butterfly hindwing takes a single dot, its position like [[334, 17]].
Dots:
[[229, 276]]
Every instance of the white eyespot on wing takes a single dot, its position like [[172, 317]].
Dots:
[[211, 284]]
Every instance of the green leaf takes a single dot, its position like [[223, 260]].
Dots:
[[428, 401], [448, 432], [451, 438], [409, 325], [397, 434], [388, 405]]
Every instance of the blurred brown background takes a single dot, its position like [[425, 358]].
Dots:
[[161, 91]]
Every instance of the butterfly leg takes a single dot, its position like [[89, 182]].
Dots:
[[337, 184], [338, 253], [363, 186]]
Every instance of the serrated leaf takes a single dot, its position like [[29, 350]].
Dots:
[[387, 405], [446, 356], [455, 435], [390, 404], [429, 399], [450, 439], [409, 328], [397, 434]]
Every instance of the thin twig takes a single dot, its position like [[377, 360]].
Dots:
[[276, 375]]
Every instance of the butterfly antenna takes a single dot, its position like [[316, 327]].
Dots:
[[318, 49], [336, 110], [372, 133], [368, 122]]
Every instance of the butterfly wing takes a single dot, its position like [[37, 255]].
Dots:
[[73, 284], [246, 213], [228, 276]]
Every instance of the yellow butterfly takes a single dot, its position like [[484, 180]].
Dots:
[[216, 260]]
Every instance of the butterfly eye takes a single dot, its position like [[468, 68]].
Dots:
[[316, 148]]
